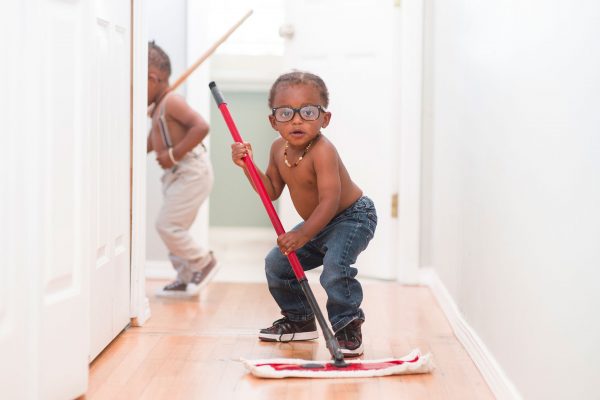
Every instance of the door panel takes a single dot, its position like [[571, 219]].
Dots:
[[62, 234], [49, 166], [110, 276], [351, 52], [121, 162], [16, 285]]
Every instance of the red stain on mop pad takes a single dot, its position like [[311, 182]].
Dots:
[[412, 363], [359, 366]]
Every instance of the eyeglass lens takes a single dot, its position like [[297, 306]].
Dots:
[[307, 113]]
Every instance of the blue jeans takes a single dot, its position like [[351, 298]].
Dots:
[[336, 247]]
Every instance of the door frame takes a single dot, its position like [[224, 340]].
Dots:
[[408, 56], [140, 306]]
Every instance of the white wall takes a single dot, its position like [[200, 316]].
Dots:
[[511, 221]]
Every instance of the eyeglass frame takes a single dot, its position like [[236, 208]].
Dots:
[[297, 111]]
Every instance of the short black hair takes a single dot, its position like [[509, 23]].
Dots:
[[158, 58], [297, 78]]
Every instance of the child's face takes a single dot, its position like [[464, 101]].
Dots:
[[156, 83], [298, 131]]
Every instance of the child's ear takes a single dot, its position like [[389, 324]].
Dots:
[[326, 119], [272, 121]]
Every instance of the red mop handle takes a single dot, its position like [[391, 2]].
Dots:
[[255, 177]]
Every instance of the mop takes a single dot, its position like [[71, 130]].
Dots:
[[412, 363]]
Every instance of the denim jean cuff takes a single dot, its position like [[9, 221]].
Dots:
[[297, 318], [345, 321]]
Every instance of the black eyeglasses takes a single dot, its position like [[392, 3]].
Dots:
[[307, 113]]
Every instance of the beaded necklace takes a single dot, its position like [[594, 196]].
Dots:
[[285, 160]]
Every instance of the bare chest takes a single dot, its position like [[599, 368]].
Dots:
[[299, 177]]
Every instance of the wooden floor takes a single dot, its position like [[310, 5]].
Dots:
[[190, 349]]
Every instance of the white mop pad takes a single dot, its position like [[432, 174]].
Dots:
[[412, 363]]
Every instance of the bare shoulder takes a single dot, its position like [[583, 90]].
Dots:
[[180, 111], [323, 147], [277, 144], [175, 103]]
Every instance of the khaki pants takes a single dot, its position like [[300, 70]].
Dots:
[[185, 187]]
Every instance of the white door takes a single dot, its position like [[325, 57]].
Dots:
[[44, 319], [59, 213], [17, 286], [110, 133], [49, 168], [349, 44]]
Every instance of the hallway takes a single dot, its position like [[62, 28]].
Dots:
[[472, 125]]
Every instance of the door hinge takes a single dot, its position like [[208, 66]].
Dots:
[[395, 205]]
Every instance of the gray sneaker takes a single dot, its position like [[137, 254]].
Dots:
[[286, 330], [350, 339], [201, 278]]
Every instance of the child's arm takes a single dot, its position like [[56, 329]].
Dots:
[[271, 180], [329, 187], [197, 128]]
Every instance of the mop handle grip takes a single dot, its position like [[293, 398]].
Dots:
[[255, 177]]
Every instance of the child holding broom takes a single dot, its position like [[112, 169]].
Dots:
[[338, 221]]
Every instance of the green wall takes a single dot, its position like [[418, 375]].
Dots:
[[232, 201]]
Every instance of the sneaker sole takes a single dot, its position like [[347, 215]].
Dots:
[[180, 294], [353, 353], [288, 337]]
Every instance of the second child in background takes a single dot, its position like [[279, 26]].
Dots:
[[176, 138]]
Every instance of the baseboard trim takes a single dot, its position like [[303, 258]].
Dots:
[[491, 371], [144, 315], [159, 270]]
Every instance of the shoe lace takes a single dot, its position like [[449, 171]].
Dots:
[[280, 321]]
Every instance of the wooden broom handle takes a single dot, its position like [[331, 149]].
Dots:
[[207, 54]]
